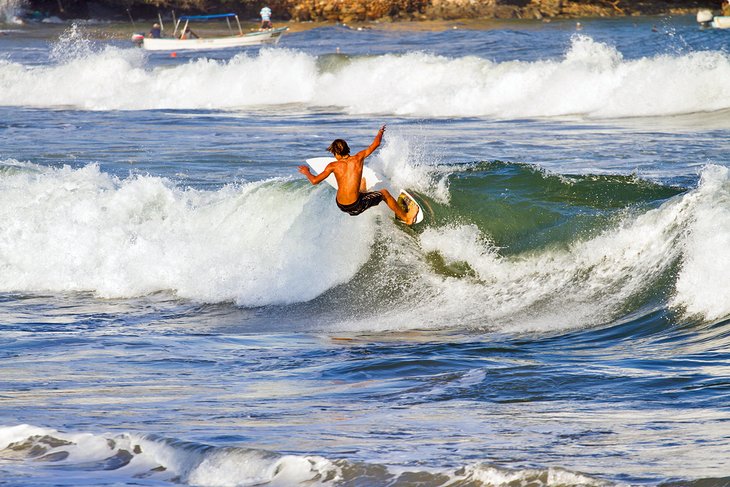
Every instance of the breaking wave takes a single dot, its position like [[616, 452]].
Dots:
[[578, 250], [591, 80], [124, 457]]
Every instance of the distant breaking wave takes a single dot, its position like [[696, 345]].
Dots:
[[591, 80]]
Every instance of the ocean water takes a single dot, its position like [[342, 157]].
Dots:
[[178, 306]]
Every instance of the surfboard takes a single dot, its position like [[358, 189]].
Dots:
[[407, 202], [319, 163], [405, 199]]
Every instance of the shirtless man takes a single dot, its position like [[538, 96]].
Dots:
[[352, 196]]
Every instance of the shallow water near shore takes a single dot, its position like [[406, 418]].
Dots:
[[178, 306]]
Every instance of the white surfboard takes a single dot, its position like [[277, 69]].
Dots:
[[405, 199]]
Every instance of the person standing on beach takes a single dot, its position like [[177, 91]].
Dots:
[[266, 18], [352, 195]]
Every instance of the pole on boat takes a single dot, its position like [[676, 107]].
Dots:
[[131, 18], [162, 26], [240, 31], [176, 23]]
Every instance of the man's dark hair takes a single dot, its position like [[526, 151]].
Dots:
[[339, 148]]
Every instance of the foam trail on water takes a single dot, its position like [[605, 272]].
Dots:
[[592, 80]]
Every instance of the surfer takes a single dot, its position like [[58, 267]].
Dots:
[[352, 196]]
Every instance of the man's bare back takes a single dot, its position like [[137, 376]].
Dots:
[[348, 173], [352, 196]]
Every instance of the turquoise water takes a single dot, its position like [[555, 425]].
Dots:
[[178, 306]]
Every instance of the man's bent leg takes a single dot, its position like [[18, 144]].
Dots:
[[400, 213]]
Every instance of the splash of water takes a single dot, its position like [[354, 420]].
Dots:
[[11, 11]]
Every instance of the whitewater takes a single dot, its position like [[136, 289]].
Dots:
[[178, 306], [591, 79]]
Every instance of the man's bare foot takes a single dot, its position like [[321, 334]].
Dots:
[[412, 214]]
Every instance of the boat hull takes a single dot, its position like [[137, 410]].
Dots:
[[205, 44], [721, 22]]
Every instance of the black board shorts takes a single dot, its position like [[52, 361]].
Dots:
[[364, 201]]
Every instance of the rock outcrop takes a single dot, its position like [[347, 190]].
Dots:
[[364, 10]]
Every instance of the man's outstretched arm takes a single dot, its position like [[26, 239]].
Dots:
[[319, 177], [375, 144]]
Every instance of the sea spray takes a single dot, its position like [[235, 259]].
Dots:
[[408, 161], [11, 11], [703, 285]]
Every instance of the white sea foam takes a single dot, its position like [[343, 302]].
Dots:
[[489, 475], [174, 461], [140, 455], [703, 283], [592, 79], [255, 244]]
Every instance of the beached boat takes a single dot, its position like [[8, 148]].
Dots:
[[706, 18], [183, 38], [721, 22]]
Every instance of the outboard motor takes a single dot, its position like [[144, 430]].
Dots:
[[138, 38]]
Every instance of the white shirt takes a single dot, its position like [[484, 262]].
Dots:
[[266, 13]]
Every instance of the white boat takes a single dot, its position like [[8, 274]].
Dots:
[[706, 18], [180, 40], [721, 22]]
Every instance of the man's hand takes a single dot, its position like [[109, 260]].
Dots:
[[382, 129], [305, 170]]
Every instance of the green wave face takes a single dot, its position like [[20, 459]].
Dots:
[[516, 248], [524, 208]]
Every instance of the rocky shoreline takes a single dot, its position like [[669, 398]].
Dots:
[[364, 10], [349, 11]]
